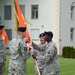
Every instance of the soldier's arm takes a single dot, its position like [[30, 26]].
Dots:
[[35, 46], [51, 52], [23, 50], [4, 48], [28, 54], [34, 54]]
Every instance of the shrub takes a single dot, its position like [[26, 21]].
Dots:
[[68, 52]]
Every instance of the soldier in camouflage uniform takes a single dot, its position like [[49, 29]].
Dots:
[[39, 53], [19, 54], [52, 66], [2, 53]]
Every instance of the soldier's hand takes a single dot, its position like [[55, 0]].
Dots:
[[33, 57]]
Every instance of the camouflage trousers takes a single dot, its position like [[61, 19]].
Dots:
[[2, 67], [56, 73], [16, 72], [41, 73]]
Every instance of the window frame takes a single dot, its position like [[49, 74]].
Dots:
[[72, 12], [9, 33], [72, 34], [36, 11], [36, 37], [5, 10]]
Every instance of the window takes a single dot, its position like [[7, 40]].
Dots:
[[34, 34], [72, 34], [7, 12], [0, 19], [72, 12], [9, 33], [34, 12], [23, 9]]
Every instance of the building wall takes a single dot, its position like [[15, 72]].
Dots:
[[47, 16], [66, 23], [9, 24]]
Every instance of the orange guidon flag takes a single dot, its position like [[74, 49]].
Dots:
[[5, 37], [22, 22], [20, 15]]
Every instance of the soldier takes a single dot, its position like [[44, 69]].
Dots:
[[2, 53], [39, 53], [18, 53], [51, 59]]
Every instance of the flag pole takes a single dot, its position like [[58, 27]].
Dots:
[[37, 67]]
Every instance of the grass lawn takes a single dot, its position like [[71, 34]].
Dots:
[[67, 66]]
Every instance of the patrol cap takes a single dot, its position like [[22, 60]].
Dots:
[[1, 26], [22, 29], [49, 33], [42, 34]]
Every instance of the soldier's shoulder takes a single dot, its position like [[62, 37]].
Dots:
[[2, 44], [13, 40], [54, 45], [14, 43], [1, 40]]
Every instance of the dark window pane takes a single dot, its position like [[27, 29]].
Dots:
[[9, 33], [34, 12], [7, 12]]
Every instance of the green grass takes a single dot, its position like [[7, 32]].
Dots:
[[67, 66]]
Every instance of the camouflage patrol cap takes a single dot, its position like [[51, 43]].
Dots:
[[22, 29], [1, 26]]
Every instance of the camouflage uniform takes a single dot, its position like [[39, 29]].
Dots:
[[19, 54], [40, 62], [51, 59], [2, 56]]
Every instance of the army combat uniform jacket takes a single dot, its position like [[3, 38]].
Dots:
[[2, 56], [40, 62], [52, 66], [18, 56]]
